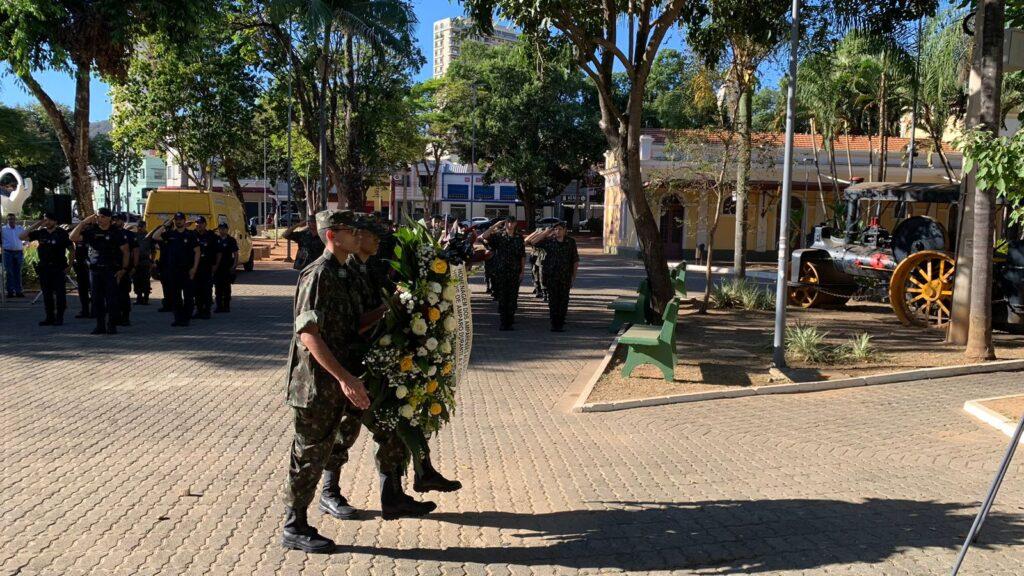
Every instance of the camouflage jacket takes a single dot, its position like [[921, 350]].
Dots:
[[328, 296]]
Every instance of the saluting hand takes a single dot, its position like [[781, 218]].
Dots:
[[192, 274]]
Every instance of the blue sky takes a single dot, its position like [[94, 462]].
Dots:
[[62, 88]]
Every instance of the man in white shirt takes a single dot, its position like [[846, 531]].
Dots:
[[14, 255]]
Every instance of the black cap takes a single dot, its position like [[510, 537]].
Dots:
[[223, 225], [200, 220], [105, 212], [178, 215], [510, 218], [49, 216]]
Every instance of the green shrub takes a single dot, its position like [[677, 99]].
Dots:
[[807, 343], [743, 294], [858, 349], [28, 270]]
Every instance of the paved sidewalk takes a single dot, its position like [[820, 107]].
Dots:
[[162, 451]]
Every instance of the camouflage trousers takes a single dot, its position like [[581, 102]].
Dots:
[[391, 456], [324, 433]]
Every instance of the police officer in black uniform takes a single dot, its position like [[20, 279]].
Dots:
[[224, 267], [53, 247], [179, 262], [143, 266], [203, 282], [561, 262], [81, 267], [507, 262], [108, 264], [124, 285]]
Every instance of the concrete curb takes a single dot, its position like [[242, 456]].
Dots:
[[582, 405], [589, 378], [991, 417], [727, 270]]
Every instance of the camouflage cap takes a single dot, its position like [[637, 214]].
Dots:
[[331, 218], [372, 223]]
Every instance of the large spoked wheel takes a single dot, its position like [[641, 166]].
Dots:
[[921, 289], [808, 295]]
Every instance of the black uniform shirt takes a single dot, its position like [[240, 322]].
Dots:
[[177, 249], [559, 257], [226, 246], [207, 248], [133, 241], [104, 247], [508, 253], [53, 246]]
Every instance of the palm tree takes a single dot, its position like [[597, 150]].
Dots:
[[942, 94]]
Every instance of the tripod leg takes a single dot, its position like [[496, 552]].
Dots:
[[986, 506]]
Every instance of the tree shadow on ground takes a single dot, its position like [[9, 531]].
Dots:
[[724, 536]]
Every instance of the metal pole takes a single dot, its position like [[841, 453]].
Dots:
[[779, 344], [323, 126], [472, 161], [263, 206], [291, 207], [913, 109], [986, 506]]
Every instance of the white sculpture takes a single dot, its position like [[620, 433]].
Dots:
[[12, 204]]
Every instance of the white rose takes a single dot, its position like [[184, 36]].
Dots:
[[401, 392], [385, 340], [431, 344], [450, 324], [432, 370], [443, 306], [435, 287], [419, 326], [406, 411], [446, 347], [432, 298], [422, 351], [449, 294]]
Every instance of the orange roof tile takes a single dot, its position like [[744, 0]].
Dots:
[[856, 143]]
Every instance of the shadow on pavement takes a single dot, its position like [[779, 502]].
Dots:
[[727, 536]]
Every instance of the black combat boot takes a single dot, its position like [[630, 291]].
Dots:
[[331, 500], [49, 321], [299, 535], [83, 314], [395, 503], [430, 480]]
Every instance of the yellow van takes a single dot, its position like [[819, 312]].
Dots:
[[216, 207]]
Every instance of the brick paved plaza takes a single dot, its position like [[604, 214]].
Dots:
[[163, 450]]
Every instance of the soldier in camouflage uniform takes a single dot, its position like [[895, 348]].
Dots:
[[561, 261], [320, 378], [391, 453], [509, 253]]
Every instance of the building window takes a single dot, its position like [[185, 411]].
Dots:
[[458, 192], [729, 206], [142, 173], [458, 211], [495, 211], [508, 193], [484, 193], [424, 181]]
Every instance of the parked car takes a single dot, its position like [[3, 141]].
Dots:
[[548, 222]]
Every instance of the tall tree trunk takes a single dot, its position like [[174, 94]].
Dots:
[[849, 158], [354, 183], [74, 138], [631, 182], [231, 171], [744, 120], [709, 257], [989, 33], [529, 197], [817, 165]]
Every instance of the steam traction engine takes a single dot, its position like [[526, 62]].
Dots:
[[916, 259]]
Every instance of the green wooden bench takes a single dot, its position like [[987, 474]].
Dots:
[[653, 344], [629, 309], [679, 279]]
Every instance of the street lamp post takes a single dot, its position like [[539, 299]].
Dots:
[[291, 207], [781, 292]]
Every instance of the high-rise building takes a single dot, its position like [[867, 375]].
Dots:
[[450, 33]]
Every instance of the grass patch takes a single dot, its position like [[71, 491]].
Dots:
[[740, 293]]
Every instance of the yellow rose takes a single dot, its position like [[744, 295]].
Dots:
[[439, 266], [435, 409], [433, 314], [431, 386], [446, 369], [406, 364]]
